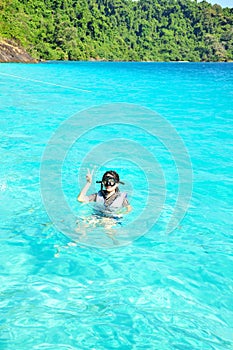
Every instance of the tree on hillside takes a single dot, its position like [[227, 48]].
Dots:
[[157, 30]]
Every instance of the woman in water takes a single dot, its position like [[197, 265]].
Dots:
[[110, 204], [110, 199]]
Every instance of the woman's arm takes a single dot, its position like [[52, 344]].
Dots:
[[126, 205], [82, 197]]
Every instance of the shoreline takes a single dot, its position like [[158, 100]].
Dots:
[[11, 52], [34, 61]]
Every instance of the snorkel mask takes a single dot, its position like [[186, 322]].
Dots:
[[109, 181]]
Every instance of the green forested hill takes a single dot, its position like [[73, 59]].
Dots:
[[159, 30]]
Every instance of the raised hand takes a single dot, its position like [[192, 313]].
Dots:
[[89, 175]]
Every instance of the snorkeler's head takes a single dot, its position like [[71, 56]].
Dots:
[[110, 179], [111, 174]]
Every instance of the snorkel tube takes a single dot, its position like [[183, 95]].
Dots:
[[100, 182]]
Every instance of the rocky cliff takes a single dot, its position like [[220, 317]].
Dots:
[[11, 52]]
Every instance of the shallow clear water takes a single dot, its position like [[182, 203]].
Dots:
[[161, 291]]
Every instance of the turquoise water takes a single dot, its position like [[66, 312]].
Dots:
[[160, 291]]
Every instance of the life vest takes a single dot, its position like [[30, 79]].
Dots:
[[115, 205]]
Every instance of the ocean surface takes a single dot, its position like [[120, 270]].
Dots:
[[163, 278]]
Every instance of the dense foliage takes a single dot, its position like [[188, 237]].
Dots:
[[158, 30]]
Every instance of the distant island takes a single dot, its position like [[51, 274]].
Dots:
[[115, 30]]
